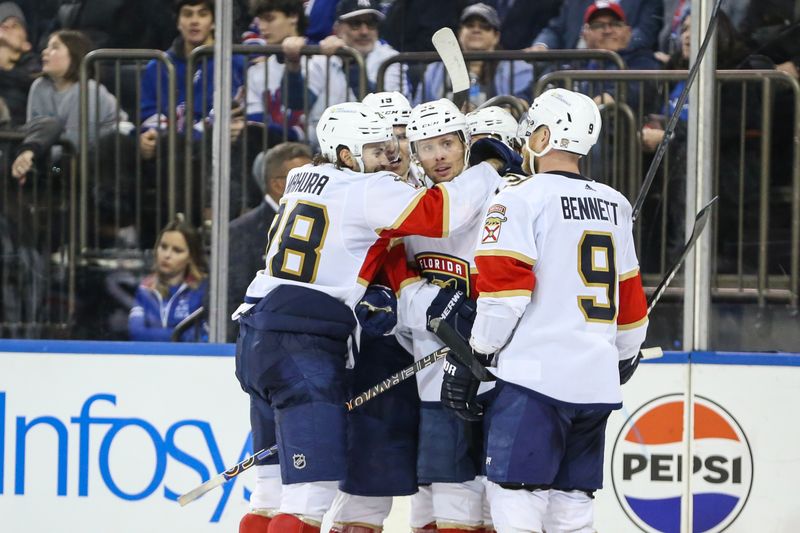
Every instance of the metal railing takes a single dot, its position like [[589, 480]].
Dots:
[[538, 61], [199, 59], [90, 180], [767, 282], [37, 243]]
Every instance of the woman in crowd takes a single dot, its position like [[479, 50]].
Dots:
[[176, 288]]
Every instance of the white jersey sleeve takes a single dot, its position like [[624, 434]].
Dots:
[[505, 255]]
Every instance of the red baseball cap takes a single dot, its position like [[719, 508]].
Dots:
[[604, 5]]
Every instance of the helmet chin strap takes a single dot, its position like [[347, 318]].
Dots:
[[360, 164], [532, 153]]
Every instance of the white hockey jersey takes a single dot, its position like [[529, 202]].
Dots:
[[442, 262], [559, 288], [334, 226]]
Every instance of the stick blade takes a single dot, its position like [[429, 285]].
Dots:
[[446, 45], [195, 493], [700, 221]]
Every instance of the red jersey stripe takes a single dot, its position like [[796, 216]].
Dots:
[[632, 301], [501, 273]]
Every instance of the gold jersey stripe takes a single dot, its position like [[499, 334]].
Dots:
[[632, 325], [629, 275], [506, 253], [406, 282], [506, 294]]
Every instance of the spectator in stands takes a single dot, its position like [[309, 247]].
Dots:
[[18, 64], [176, 288], [248, 233], [606, 28], [357, 27], [196, 27], [280, 22], [57, 95], [564, 30], [479, 31], [731, 54], [522, 20], [773, 29]]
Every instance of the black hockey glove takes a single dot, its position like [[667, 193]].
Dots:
[[489, 148], [453, 306], [460, 388], [377, 311], [627, 367]]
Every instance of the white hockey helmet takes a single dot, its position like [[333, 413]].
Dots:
[[573, 119], [494, 120], [351, 124], [432, 119], [392, 104]]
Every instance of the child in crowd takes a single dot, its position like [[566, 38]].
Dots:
[[56, 96]]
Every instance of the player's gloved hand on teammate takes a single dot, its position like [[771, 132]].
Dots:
[[627, 367], [454, 307], [460, 388], [377, 311], [489, 148]]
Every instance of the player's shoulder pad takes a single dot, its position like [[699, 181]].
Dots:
[[624, 204], [386, 176]]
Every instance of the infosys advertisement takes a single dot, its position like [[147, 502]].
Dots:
[[100, 442]]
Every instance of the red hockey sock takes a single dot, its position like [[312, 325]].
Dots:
[[427, 528], [254, 523], [289, 523]]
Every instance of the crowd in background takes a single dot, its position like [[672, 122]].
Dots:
[[42, 44]]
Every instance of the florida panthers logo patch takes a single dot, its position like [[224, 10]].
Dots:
[[299, 460], [445, 271], [494, 221]]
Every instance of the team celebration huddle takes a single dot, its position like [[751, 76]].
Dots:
[[467, 252]]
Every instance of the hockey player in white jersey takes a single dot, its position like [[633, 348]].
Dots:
[[395, 107], [449, 457], [328, 239], [561, 313], [495, 122], [381, 434]]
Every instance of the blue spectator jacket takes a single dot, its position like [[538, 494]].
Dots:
[[153, 317], [155, 113]]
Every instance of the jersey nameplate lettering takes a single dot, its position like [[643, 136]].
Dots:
[[307, 182], [588, 208]]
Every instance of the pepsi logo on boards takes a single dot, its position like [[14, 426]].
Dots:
[[647, 465]]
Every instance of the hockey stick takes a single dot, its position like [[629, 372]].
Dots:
[[699, 225], [446, 45], [673, 119], [227, 475], [460, 349], [396, 378], [186, 323], [357, 401]]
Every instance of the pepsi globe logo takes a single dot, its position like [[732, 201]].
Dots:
[[647, 466]]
